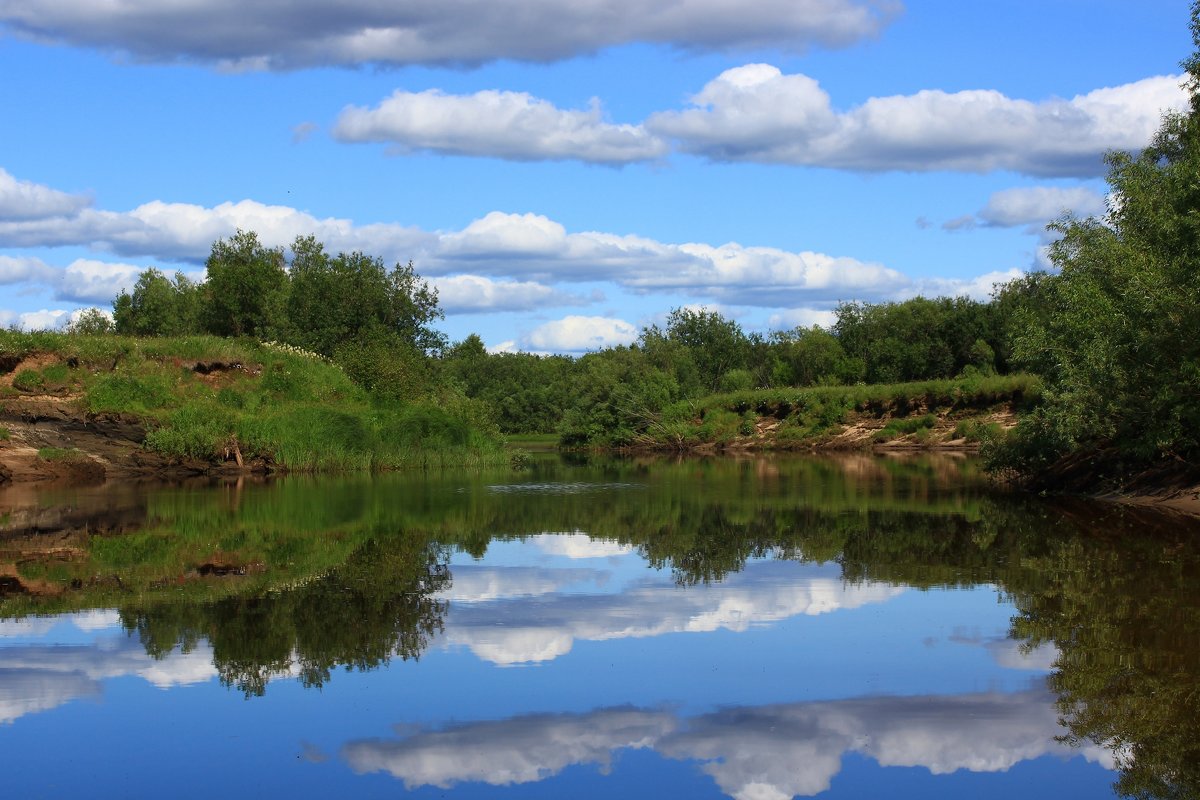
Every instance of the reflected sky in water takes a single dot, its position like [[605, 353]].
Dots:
[[559, 663]]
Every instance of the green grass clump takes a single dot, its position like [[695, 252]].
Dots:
[[197, 430], [67, 455], [975, 430], [5, 434], [29, 380], [905, 427]]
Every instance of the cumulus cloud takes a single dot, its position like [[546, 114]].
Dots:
[[977, 288], [459, 294], [42, 320], [778, 752], [771, 752], [499, 262], [508, 125], [802, 318], [25, 200], [298, 33], [516, 633], [757, 113], [577, 334], [38, 677], [25, 270], [1037, 205]]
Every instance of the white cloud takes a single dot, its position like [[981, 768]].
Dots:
[[1038, 205], [90, 281], [795, 750], [508, 125], [25, 270], [43, 320], [802, 318], [499, 262], [459, 294], [977, 288], [757, 113], [297, 33], [577, 334], [25, 200], [183, 231]]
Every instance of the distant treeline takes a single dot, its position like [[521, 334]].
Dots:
[[377, 325]]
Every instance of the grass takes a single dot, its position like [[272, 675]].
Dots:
[[290, 407], [5, 434], [904, 427], [66, 455], [808, 414]]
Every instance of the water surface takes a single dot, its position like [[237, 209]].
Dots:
[[758, 628]]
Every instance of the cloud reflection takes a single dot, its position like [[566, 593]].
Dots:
[[770, 752], [519, 750], [516, 632]]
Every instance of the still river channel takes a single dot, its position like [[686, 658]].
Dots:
[[759, 628]]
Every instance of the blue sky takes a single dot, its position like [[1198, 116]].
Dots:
[[567, 173]]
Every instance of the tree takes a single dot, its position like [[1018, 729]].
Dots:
[[809, 356], [158, 306], [334, 300], [246, 287], [1116, 332], [90, 322], [715, 344]]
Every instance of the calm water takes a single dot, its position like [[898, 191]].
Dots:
[[755, 629]]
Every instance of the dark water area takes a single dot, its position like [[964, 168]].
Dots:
[[759, 628]]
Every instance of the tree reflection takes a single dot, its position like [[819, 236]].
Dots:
[[1122, 605], [377, 605]]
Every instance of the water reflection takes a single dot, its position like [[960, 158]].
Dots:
[[510, 630], [249, 584], [758, 753]]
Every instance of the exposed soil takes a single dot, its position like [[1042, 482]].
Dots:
[[87, 447]]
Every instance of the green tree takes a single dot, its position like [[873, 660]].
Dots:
[[715, 343], [90, 322], [158, 306], [246, 288], [810, 356], [335, 300], [1116, 332]]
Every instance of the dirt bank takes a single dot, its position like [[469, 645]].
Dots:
[[52, 438]]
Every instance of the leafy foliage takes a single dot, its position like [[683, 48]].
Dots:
[[1116, 331]]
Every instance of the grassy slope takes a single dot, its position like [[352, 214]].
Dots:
[[266, 401], [922, 413]]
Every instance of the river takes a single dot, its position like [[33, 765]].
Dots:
[[759, 628]]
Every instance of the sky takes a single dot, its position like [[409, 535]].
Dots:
[[567, 173]]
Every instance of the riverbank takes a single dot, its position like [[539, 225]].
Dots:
[[85, 408]]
